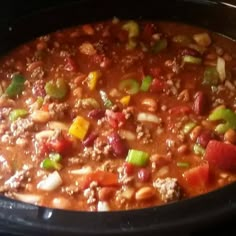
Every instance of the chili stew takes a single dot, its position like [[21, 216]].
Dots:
[[118, 115]]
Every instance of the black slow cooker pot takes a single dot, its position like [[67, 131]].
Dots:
[[186, 216]]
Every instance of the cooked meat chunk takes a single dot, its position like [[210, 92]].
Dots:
[[19, 126], [58, 110], [168, 188], [16, 180]]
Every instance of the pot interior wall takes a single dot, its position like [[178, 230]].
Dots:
[[213, 15]]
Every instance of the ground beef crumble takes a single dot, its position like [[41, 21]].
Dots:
[[143, 134], [20, 126], [58, 110], [91, 193], [17, 180], [168, 188]]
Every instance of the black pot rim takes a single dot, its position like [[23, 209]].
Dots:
[[190, 213]]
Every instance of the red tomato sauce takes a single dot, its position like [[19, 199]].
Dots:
[[118, 115]]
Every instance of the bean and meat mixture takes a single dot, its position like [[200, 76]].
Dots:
[[118, 115]]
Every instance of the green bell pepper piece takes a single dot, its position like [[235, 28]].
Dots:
[[16, 86], [15, 114], [57, 89], [226, 115]]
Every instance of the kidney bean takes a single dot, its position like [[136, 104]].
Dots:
[[96, 114], [144, 175], [204, 138], [148, 30], [190, 52], [88, 142], [118, 145], [200, 104]]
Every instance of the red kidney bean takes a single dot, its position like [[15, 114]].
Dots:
[[144, 174], [70, 64], [38, 88], [148, 30], [106, 193], [122, 36], [128, 168], [88, 142], [118, 145], [204, 138], [190, 52], [200, 104], [96, 114]]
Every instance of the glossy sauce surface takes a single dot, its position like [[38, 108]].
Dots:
[[118, 115]]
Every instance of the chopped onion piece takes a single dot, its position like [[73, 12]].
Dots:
[[44, 134], [126, 134], [29, 198], [51, 182], [82, 171], [202, 39], [58, 125], [143, 116], [220, 67], [103, 206]]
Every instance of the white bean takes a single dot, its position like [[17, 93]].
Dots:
[[61, 203], [58, 125], [29, 198], [40, 116], [145, 193], [148, 117], [150, 104]]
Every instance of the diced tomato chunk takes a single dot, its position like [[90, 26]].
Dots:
[[103, 178], [70, 64], [180, 110], [45, 107], [60, 145], [197, 176], [128, 168], [42, 148], [115, 119], [221, 155]]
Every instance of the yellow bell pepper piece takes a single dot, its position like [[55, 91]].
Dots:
[[79, 128], [125, 100], [93, 78]]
